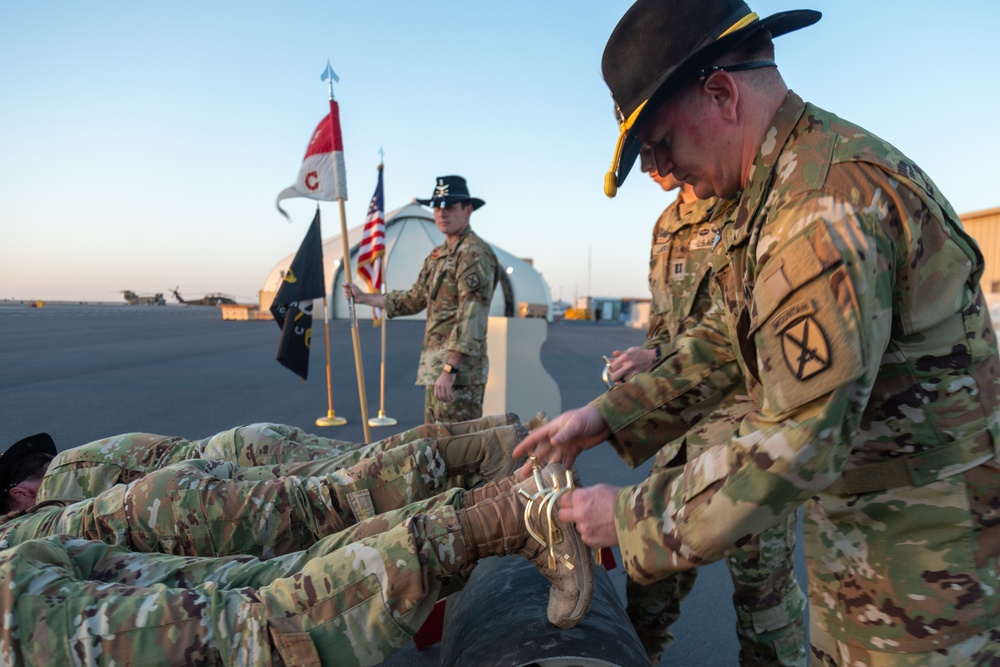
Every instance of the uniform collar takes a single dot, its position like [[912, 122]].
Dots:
[[762, 170], [699, 207], [443, 250]]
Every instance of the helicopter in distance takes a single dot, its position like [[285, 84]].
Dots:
[[215, 299], [133, 299]]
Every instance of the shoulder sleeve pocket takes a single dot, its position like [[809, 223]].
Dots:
[[804, 321]]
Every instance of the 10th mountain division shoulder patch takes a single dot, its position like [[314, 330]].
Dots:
[[472, 280], [806, 349]]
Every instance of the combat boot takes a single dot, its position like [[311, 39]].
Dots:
[[483, 456], [541, 419], [482, 424], [488, 490], [525, 521]]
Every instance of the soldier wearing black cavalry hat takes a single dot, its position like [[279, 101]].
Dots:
[[847, 301], [456, 287]]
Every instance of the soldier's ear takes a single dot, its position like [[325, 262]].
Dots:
[[723, 93]]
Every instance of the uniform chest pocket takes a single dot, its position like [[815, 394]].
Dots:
[[804, 320], [445, 271], [659, 280]]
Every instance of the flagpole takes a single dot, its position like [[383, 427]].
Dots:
[[340, 189], [331, 418], [382, 419], [355, 335]]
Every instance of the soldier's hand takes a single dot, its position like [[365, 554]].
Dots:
[[351, 291], [564, 438], [442, 387], [633, 360], [592, 509]]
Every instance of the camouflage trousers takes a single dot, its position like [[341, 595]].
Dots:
[[981, 650], [467, 404], [202, 507], [353, 599], [85, 471], [770, 606]]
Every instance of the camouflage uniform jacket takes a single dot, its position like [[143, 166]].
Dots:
[[455, 285], [679, 269], [848, 294]]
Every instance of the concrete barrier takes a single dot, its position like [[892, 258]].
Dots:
[[517, 381]]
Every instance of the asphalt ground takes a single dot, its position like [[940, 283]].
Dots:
[[83, 372]]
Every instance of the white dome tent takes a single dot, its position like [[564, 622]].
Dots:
[[410, 235]]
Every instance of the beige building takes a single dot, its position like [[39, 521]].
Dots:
[[984, 226]]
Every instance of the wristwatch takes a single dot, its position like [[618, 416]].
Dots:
[[451, 370]]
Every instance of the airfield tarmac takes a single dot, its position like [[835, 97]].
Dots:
[[83, 372]]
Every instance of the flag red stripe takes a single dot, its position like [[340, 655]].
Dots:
[[338, 139]]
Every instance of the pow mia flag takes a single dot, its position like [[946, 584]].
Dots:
[[292, 306]]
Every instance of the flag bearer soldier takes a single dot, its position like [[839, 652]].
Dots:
[[456, 287], [847, 297]]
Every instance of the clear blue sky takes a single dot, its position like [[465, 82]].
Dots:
[[142, 144]]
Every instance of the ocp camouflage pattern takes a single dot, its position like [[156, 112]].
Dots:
[[352, 600], [680, 268], [84, 471], [848, 293], [466, 404], [202, 507], [456, 286]]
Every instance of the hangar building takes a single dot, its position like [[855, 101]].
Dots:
[[410, 235]]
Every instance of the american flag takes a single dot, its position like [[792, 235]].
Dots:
[[372, 249]]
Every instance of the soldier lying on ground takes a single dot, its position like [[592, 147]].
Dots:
[[85, 471], [353, 598], [212, 508]]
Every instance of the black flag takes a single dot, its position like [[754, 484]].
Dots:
[[292, 305]]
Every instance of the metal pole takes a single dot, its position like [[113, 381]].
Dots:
[[355, 336], [382, 419], [331, 418]]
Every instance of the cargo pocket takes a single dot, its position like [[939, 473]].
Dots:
[[387, 486]]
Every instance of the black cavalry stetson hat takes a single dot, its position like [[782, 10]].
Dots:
[[660, 44], [40, 442], [450, 190]]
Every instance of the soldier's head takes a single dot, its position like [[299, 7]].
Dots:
[[693, 80], [648, 166], [452, 205], [22, 466]]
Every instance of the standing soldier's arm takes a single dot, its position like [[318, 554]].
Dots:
[[827, 277], [651, 409], [414, 300], [475, 278]]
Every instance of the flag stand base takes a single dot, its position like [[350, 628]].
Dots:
[[381, 420], [331, 419]]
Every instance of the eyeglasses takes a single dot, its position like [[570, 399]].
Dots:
[[705, 72]]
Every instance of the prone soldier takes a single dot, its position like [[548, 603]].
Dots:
[[204, 507], [353, 598], [84, 471]]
